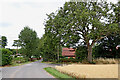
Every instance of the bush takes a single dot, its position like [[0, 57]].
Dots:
[[61, 56], [6, 57], [101, 51], [71, 58], [13, 51], [81, 53], [68, 60], [19, 60], [26, 59]]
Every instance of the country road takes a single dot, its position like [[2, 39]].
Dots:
[[31, 70]]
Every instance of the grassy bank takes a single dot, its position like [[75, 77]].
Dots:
[[18, 64], [58, 74], [54, 62]]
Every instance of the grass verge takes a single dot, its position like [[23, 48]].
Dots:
[[55, 62], [58, 74], [46, 62], [16, 64]]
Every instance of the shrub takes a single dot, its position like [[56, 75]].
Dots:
[[19, 60], [26, 59], [13, 51], [61, 56], [81, 53], [68, 60], [101, 51], [6, 56], [71, 58]]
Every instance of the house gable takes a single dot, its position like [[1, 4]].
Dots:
[[68, 52]]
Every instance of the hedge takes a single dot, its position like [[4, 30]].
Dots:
[[68, 60], [19, 60], [6, 57]]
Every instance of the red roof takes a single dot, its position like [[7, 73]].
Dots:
[[68, 52]]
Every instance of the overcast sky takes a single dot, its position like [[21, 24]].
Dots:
[[16, 14]]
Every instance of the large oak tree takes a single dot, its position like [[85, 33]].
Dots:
[[85, 22]]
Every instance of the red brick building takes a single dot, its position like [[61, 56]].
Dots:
[[68, 52]]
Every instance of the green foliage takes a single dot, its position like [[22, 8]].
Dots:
[[29, 41], [19, 60], [117, 12], [107, 47], [71, 58], [20, 51], [87, 22], [6, 57], [61, 56], [41, 46], [81, 53], [13, 51], [66, 60], [48, 48], [16, 43], [26, 59], [4, 41]]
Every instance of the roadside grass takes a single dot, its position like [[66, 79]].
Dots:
[[58, 74], [54, 62], [17, 64], [46, 62]]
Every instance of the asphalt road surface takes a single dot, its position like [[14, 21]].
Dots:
[[31, 70]]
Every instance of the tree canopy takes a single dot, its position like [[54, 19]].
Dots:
[[16, 43], [4, 41], [106, 47], [29, 40], [82, 23]]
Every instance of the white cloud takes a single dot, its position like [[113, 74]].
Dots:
[[17, 14], [21, 13]]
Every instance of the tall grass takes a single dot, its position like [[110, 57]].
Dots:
[[70, 72], [89, 70], [106, 61]]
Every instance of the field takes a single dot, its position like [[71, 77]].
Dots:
[[90, 71]]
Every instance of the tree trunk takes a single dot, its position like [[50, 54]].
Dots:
[[90, 53], [58, 52], [17, 50]]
